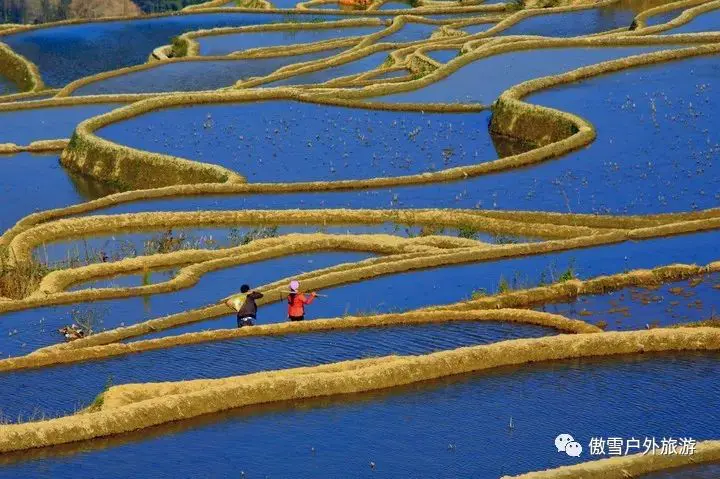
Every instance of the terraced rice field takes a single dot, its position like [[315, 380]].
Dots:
[[510, 212]]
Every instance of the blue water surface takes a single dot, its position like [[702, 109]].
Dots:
[[637, 308], [361, 65], [22, 127], [33, 183], [24, 331], [706, 22], [194, 75], [449, 284], [516, 67], [285, 141], [572, 24], [66, 53], [60, 390], [454, 427], [234, 42]]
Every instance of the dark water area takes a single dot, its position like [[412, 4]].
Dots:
[[59, 390], [31, 182], [453, 427], [706, 22], [449, 284], [22, 127], [235, 42], [66, 53], [7, 87], [572, 24], [24, 331], [293, 141], [697, 299], [361, 65], [194, 75]]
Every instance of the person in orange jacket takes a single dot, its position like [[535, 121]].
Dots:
[[297, 302]]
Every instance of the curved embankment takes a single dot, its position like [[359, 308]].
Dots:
[[52, 357], [20, 70], [24, 243], [629, 466], [184, 400], [94, 156], [498, 307]]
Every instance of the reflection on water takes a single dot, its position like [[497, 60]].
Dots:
[[89, 188]]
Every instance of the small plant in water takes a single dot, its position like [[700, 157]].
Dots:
[[467, 231]]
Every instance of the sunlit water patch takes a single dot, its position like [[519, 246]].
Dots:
[[516, 67], [226, 44], [449, 284], [194, 75], [428, 425], [59, 390], [22, 127], [24, 331], [685, 301], [32, 183], [66, 53], [283, 141]]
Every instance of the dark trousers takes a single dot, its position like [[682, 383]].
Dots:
[[245, 321], [296, 318]]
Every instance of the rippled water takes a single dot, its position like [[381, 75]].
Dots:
[[455, 427], [24, 331], [638, 308], [448, 284], [59, 390]]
